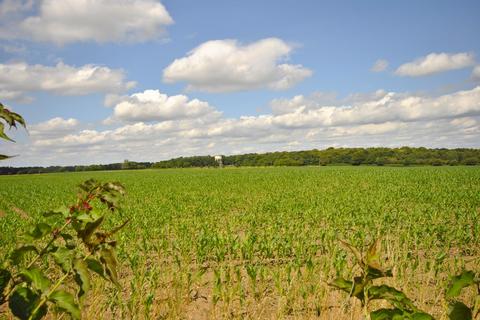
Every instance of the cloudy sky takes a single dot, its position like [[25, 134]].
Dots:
[[100, 81]]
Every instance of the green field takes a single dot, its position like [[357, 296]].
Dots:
[[263, 242]]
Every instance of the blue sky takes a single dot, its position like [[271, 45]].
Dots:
[[259, 76]]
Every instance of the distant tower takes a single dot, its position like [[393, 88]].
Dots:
[[219, 160]]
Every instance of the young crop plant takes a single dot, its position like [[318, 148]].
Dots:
[[60, 253], [363, 287], [457, 310]]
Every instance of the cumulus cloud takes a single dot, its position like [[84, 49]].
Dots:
[[20, 78], [227, 65], [379, 65], [380, 118], [67, 21], [54, 127], [151, 105], [436, 63], [476, 73]]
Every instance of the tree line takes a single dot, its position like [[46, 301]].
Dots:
[[404, 156]]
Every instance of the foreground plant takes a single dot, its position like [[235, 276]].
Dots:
[[363, 288], [458, 310], [12, 119], [51, 271]]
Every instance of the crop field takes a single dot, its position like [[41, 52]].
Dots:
[[264, 243]]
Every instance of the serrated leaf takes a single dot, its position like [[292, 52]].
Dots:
[[82, 276], [2, 133], [5, 277], [397, 298], [465, 279], [69, 241], [353, 288], [459, 311], [89, 229], [355, 252], [17, 254], [372, 257], [386, 314], [62, 211], [40, 231], [96, 267], [107, 257], [36, 278], [373, 273], [63, 257], [65, 301], [23, 302]]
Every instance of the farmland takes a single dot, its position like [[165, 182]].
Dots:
[[264, 242]]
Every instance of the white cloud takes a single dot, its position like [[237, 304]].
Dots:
[[476, 73], [377, 119], [151, 105], [379, 65], [226, 65], [67, 21], [54, 127], [62, 79], [11, 7], [435, 63]]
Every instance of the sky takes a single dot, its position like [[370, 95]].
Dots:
[[101, 81]]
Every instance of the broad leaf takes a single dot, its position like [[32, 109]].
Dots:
[[397, 298], [387, 314], [23, 302], [36, 277], [40, 231], [372, 257], [65, 301], [82, 276], [17, 254], [459, 311], [465, 279], [96, 267], [89, 229], [353, 288], [63, 257], [2, 133], [421, 316], [107, 257], [355, 252], [62, 211]]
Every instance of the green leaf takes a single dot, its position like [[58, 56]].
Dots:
[[36, 277], [386, 314], [17, 254], [355, 252], [23, 302], [96, 267], [354, 289], [2, 133], [82, 276], [3, 157], [40, 231], [397, 298], [459, 311], [89, 229], [5, 277], [465, 279], [62, 211], [63, 257], [65, 301], [421, 316], [107, 257], [69, 241]]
